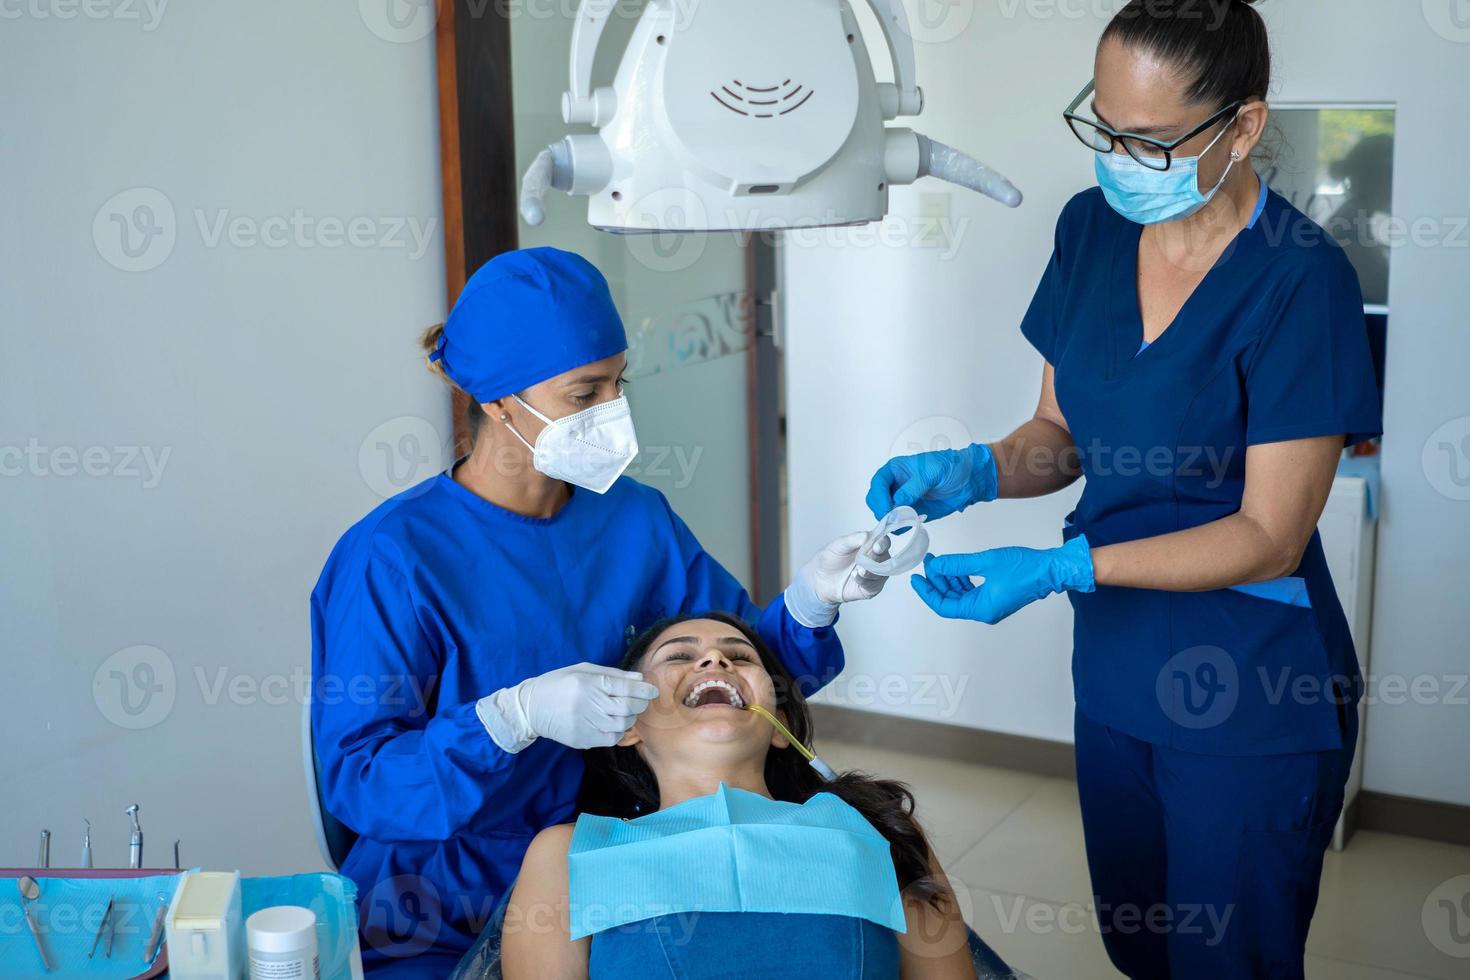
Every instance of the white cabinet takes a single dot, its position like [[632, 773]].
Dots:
[[1349, 537]]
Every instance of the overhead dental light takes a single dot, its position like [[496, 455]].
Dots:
[[751, 115]]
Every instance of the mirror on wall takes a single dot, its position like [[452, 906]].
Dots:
[[1335, 164]]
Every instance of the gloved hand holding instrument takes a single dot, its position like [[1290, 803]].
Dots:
[[946, 481], [832, 577], [936, 484], [582, 706]]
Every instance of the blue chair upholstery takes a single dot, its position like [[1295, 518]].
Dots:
[[333, 837]]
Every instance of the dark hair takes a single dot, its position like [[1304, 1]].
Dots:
[[619, 783], [1220, 47]]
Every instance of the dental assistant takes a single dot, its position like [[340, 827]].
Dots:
[[465, 633], [1206, 363]]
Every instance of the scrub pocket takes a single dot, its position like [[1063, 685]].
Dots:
[[1248, 675]]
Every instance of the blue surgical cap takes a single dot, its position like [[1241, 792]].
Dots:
[[526, 316]]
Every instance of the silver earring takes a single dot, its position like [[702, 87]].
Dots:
[[1235, 155], [504, 417]]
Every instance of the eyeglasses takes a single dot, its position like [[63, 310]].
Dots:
[[1152, 153]]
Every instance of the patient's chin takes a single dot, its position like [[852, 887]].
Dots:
[[722, 727]]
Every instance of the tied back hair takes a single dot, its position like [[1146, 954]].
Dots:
[[619, 783], [1219, 47], [474, 415]]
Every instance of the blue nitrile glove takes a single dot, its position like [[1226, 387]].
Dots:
[[935, 484], [1014, 577]]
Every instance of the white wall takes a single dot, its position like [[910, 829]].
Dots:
[[892, 347], [261, 371]]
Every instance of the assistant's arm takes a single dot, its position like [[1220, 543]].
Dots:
[[1038, 458], [1286, 488], [1310, 390]]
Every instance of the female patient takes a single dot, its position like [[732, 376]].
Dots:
[[693, 753]]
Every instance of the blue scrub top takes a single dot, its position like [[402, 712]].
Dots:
[[1271, 346], [438, 598]]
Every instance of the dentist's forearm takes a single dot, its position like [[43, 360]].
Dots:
[[1035, 460]]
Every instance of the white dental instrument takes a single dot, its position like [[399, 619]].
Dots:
[[135, 842], [897, 544], [752, 115], [87, 844]]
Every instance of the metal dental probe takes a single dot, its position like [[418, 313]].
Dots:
[[156, 935], [106, 914]]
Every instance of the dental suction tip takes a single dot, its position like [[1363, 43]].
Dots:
[[813, 760], [824, 770]]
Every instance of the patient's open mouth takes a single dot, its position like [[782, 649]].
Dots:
[[713, 692]]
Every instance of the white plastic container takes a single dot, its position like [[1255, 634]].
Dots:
[[205, 938], [282, 942]]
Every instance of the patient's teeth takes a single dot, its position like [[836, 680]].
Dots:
[[735, 699]]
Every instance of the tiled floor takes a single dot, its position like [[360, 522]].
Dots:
[[1015, 842]]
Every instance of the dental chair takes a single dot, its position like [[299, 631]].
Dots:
[[482, 962], [333, 837]]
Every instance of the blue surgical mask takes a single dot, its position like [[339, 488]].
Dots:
[[1149, 197]]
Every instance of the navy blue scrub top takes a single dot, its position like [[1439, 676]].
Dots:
[[1271, 346]]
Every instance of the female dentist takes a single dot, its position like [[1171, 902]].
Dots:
[[463, 632], [1206, 362]]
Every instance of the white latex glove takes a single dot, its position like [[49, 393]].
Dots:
[[831, 578], [582, 706]]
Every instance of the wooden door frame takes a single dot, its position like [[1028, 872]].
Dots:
[[476, 149]]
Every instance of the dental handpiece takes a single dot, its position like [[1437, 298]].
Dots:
[[87, 844], [43, 859], [135, 843]]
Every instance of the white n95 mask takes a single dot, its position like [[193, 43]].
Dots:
[[589, 449]]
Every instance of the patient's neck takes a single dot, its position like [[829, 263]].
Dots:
[[686, 779]]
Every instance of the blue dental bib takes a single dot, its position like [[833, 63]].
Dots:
[[731, 851]]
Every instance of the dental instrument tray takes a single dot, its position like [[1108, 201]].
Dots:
[[71, 915], [91, 922]]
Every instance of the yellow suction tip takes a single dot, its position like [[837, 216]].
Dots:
[[805, 752]]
